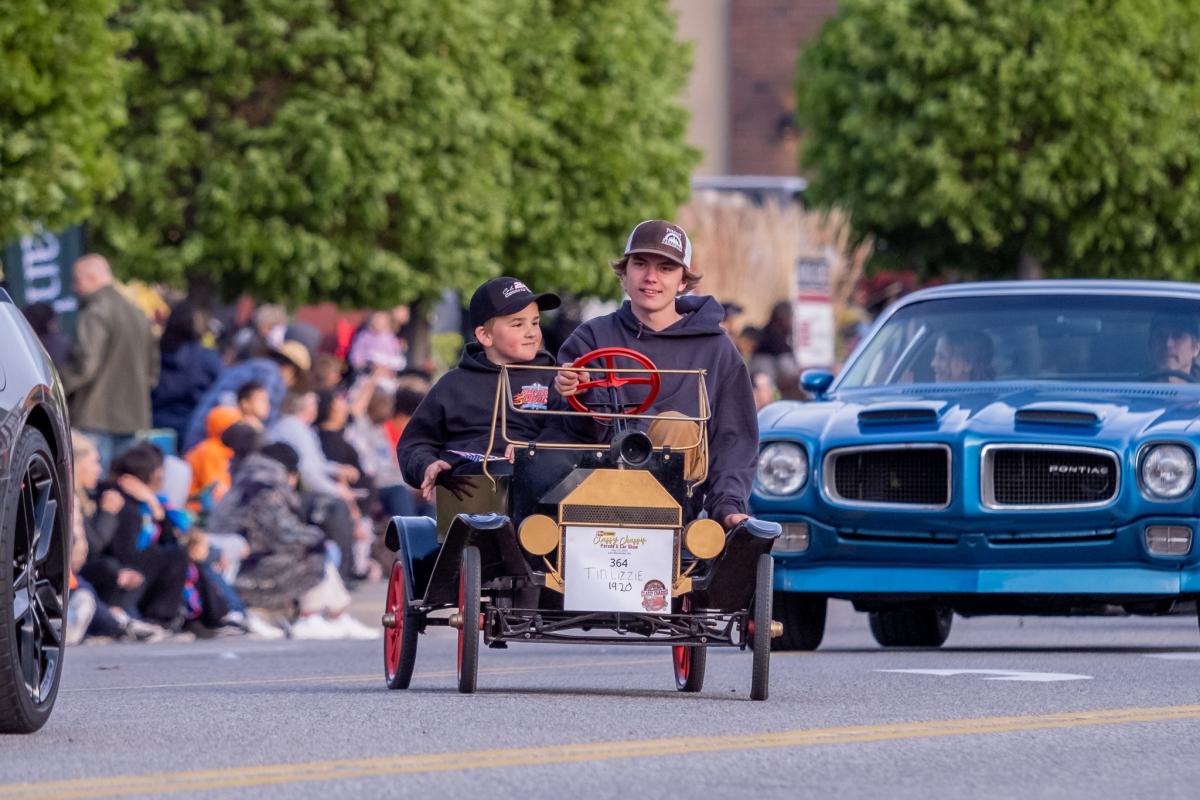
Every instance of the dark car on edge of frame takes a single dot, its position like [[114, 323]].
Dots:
[[35, 525]]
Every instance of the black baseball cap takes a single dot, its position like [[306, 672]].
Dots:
[[502, 296], [1176, 322]]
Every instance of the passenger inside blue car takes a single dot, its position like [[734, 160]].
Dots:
[[963, 355], [1174, 348]]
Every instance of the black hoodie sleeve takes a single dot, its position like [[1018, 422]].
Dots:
[[568, 428], [423, 438], [733, 438]]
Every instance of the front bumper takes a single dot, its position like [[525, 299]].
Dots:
[[1096, 564]]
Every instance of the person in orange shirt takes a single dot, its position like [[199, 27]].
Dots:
[[209, 460]]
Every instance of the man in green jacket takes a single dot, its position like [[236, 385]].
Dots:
[[113, 364]]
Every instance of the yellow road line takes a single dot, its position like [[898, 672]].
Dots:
[[326, 679], [349, 769]]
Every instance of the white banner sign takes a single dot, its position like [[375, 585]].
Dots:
[[618, 569], [812, 312]]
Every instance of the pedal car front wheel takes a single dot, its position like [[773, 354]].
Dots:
[[400, 637], [468, 630], [761, 634]]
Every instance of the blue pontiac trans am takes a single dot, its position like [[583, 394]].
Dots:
[[992, 448]]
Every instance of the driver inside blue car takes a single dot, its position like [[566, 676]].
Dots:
[[448, 435], [663, 321], [1174, 347]]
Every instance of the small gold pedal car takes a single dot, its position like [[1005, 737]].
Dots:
[[585, 544]]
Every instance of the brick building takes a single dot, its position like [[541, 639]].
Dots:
[[740, 93]]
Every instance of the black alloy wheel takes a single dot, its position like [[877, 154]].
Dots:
[[33, 589]]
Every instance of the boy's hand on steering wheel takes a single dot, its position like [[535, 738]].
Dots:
[[567, 383]]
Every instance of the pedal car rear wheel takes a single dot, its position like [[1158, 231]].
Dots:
[[468, 632], [689, 662], [400, 640], [761, 636]]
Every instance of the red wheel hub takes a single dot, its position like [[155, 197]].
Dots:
[[683, 655], [611, 379], [396, 606]]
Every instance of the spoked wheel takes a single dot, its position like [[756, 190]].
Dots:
[[689, 661], [33, 589], [400, 639], [761, 635], [468, 609]]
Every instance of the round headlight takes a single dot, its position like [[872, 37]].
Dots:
[[1168, 471], [782, 468]]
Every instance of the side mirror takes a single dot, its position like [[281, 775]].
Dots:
[[816, 382]]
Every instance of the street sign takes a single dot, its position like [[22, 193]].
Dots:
[[812, 312], [38, 269]]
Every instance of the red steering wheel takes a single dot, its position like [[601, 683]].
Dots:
[[615, 380]]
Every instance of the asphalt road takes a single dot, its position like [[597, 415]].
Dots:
[[1113, 711]]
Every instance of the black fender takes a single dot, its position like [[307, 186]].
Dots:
[[728, 583], [414, 541], [500, 554]]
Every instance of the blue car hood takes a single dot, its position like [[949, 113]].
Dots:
[[1112, 414]]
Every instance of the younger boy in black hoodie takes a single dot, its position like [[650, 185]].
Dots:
[[448, 434], [679, 332]]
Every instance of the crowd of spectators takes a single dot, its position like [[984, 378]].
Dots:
[[226, 483], [261, 496]]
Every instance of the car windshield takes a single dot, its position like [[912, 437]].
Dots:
[[1043, 338]]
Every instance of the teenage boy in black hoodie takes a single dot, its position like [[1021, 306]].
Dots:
[[679, 331], [448, 434]]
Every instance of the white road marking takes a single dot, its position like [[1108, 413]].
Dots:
[[1174, 656], [997, 674]]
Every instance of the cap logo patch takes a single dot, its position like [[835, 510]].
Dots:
[[515, 287], [673, 239]]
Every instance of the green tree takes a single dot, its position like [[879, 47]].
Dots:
[[974, 136], [60, 100], [379, 151], [600, 145], [315, 149]]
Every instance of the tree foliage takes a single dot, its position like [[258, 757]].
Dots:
[[966, 134], [310, 149], [60, 98], [601, 145], [378, 151]]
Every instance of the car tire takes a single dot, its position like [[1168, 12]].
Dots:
[[911, 626], [34, 527], [803, 618]]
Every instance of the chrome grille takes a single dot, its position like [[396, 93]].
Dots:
[[1025, 476], [915, 476]]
